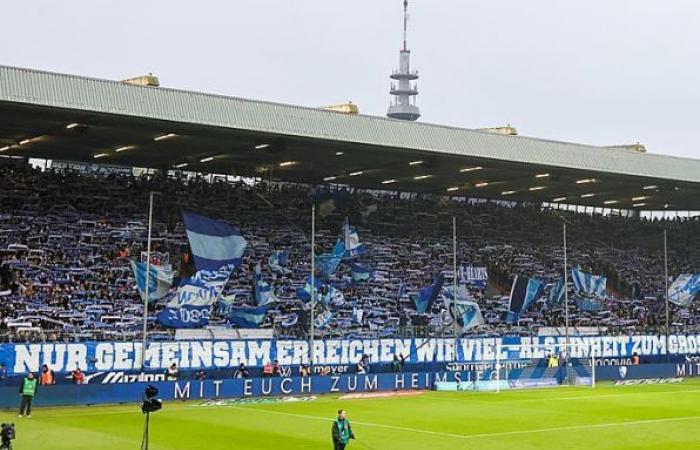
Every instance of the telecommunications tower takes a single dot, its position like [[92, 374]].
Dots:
[[403, 106]]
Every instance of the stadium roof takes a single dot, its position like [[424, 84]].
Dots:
[[56, 116]]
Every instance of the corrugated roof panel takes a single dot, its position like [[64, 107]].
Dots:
[[67, 91]]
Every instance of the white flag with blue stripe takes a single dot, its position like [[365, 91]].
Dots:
[[159, 281], [684, 289], [353, 246], [214, 243]]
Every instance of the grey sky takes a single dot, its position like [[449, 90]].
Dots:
[[594, 71]]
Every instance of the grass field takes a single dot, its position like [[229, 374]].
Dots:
[[609, 417]]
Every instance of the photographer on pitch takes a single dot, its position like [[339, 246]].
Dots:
[[341, 431], [27, 390]]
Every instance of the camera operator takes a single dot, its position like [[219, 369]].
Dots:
[[7, 434], [27, 390]]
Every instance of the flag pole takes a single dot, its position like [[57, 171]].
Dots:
[[148, 282], [566, 291], [666, 286], [454, 273], [313, 285]]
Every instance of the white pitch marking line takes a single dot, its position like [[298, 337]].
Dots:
[[484, 435]]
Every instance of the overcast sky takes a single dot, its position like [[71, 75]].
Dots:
[[592, 71]]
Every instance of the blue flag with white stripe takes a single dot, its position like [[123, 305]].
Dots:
[[328, 263], [426, 296], [264, 294], [159, 281], [353, 246], [192, 305], [214, 243], [247, 317], [556, 294], [523, 293], [684, 289], [361, 272], [305, 292]]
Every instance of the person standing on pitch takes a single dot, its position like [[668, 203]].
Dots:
[[27, 390], [341, 431]]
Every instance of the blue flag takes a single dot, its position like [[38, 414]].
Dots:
[[361, 272], [556, 294], [264, 294], [305, 292], [193, 302], [214, 243], [160, 280], [588, 285], [524, 292], [428, 294], [328, 263], [247, 317], [684, 289], [353, 247]]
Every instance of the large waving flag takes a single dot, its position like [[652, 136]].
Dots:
[[214, 243], [589, 285], [590, 290], [247, 317], [264, 294], [305, 292], [353, 247], [328, 263], [193, 302], [467, 313], [361, 272], [159, 281], [556, 294], [524, 292], [428, 294], [684, 289]]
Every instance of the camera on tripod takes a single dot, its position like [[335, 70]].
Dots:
[[7, 434], [150, 402]]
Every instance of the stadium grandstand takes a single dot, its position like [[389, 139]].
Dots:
[[223, 250], [73, 218]]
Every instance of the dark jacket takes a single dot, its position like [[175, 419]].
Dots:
[[341, 431]]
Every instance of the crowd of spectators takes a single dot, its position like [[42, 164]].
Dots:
[[66, 240]]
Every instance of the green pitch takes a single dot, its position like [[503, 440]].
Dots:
[[632, 417]]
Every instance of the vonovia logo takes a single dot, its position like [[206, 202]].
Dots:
[[623, 371]]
